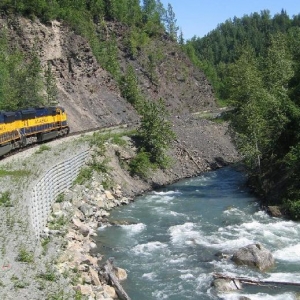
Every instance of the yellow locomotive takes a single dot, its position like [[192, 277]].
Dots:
[[32, 125]]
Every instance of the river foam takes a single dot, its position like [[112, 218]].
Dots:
[[174, 249]]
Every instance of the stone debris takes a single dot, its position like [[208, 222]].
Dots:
[[86, 210]]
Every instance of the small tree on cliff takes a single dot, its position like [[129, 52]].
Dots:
[[155, 131]]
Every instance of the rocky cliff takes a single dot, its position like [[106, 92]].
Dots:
[[90, 95]]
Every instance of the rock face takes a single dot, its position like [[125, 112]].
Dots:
[[254, 255], [89, 94]]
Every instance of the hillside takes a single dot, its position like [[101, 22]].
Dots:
[[89, 93]]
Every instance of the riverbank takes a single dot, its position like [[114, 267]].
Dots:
[[90, 204], [173, 241], [201, 145]]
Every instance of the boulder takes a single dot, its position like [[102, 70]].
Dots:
[[274, 211], [226, 285], [109, 292], [94, 277], [120, 273], [85, 290], [109, 195], [254, 255], [86, 209], [82, 228]]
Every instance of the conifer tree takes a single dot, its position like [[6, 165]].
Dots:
[[170, 22], [51, 88]]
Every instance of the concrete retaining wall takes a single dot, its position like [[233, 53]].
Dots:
[[53, 183]]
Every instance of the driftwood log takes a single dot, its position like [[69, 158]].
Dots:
[[255, 282], [114, 281]]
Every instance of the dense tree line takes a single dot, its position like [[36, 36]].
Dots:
[[254, 65]]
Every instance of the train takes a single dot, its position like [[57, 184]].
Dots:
[[31, 125]]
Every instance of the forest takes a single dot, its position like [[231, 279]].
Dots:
[[253, 63]]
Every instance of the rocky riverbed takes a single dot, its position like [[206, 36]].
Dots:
[[64, 263]]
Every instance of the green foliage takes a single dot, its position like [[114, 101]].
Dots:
[[129, 87], [170, 22], [43, 148], [58, 223], [14, 173], [58, 295], [25, 256], [60, 198], [84, 175], [44, 243], [260, 115], [5, 199], [109, 58], [50, 83], [32, 86], [49, 275], [293, 207], [20, 81], [141, 165], [253, 64], [100, 166], [155, 131], [222, 45], [135, 41]]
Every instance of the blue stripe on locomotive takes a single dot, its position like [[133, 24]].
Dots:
[[7, 117]]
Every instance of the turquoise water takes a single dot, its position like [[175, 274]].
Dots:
[[169, 250]]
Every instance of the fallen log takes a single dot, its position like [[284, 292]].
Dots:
[[114, 281], [253, 281]]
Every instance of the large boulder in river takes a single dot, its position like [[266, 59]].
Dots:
[[254, 255]]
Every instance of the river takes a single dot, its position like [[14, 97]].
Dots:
[[169, 250]]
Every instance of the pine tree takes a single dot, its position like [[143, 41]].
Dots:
[[170, 22], [50, 83]]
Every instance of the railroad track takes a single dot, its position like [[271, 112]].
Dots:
[[72, 134]]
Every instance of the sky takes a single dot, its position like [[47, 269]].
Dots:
[[198, 17]]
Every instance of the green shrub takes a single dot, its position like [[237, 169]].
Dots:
[[48, 275], [25, 256], [60, 198], [141, 165], [293, 208], [58, 223], [84, 175], [5, 199]]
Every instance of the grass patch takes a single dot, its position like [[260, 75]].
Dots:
[[15, 173], [60, 198], [42, 149], [44, 243], [58, 223], [5, 199], [18, 283], [25, 256], [84, 175], [48, 276], [98, 139]]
